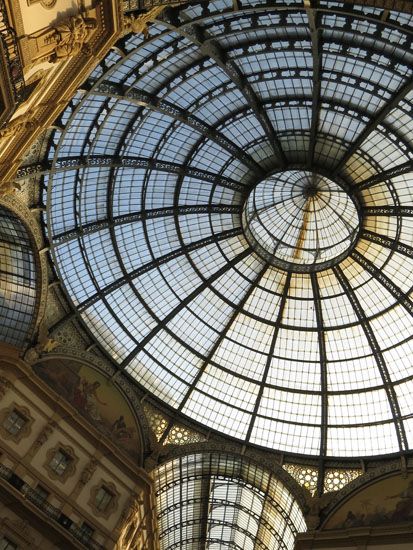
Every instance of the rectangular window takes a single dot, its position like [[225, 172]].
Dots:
[[103, 499], [60, 462], [86, 532], [14, 422]]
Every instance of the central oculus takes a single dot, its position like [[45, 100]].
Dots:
[[301, 221]]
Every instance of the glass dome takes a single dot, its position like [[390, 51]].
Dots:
[[289, 328], [301, 221]]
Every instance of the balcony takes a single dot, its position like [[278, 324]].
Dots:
[[12, 87], [53, 513]]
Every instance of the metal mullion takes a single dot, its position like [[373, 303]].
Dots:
[[323, 379], [375, 121], [270, 353], [401, 297], [378, 356], [223, 335], [209, 46], [206, 284], [144, 269], [123, 219], [315, 31], [404, 168], [387, 242], [149, 101]]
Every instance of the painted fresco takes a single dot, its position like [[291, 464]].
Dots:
[[96, 398], [387, 501]]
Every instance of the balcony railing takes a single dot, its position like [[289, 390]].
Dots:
[[8, 44], [50, 511]]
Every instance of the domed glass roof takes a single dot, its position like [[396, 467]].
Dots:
[[230, 210]]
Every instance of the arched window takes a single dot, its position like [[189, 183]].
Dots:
[[217, 500], [17, 280]]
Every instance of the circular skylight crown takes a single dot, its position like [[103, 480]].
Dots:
[[300, 220]]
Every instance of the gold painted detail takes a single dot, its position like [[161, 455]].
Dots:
[[47, 4], [306, 476], [336, 479], [68, 39], [180, 435], [139, 24], [157, 422]]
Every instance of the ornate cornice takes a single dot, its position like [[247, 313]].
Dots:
[[58, 88]]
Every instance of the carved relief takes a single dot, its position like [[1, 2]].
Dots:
[[47, 4], [139, 24], [5, 385], [17, 125], [88, 471], [42, 438], [67, 39]]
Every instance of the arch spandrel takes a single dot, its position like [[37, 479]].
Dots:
[[97, 398]]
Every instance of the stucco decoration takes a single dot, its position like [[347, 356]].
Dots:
[[96, 398], [67, 39], [389, 500]]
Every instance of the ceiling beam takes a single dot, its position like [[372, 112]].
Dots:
[[108, 161], [400, 170], [315, 32], [323, 379], [182, 305], [378, 356], [212, 49], [274, 338], [153, 103], [375, 121], [116, 221], [387, 242]]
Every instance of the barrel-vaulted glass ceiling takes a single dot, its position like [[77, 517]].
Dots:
[[173, 142], [216, 501]]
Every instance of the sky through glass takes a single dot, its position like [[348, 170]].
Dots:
[[166, 161]]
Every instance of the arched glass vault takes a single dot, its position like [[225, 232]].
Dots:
[[180, 154], [216, 501], [18, 280]]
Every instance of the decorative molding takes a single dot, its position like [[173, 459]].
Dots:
[[139, 24], [5, 385], [41, 439], [181, 435], [61, 83], [306, 476], [112, 505], [24, 431], [71, 467]]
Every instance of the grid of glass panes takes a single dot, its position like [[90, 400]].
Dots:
[[224, 501], [161, 272], [17, 280]]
